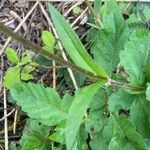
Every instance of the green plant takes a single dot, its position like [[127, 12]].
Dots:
[[22, 69], [111, 113]]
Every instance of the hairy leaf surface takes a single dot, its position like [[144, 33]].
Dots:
[[34, 136], [39, 102], [111, 39], [127, 133], [135, 55]]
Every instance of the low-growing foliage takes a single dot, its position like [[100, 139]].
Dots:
[[113, 112]]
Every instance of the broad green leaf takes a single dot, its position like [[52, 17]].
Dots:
[[120, 100], [97, 112], [35, 136], [12, 55], [95, 121], [100, 140], [143, 11], [134, 57], [39, 102], [97, 7], [73, 45], [140, 116], [147, 71], [49, 40], [12, 76], [81, 138], [78, 108], [148, 93], [117, 143], [110, 40], [59, 134], [126, 132]]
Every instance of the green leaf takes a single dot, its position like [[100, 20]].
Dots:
[[35, 136], [97, 7], [78, 108], [49, 40], [127, 132], [73, 45], [120, 100], [143, 12], [25, 58], [100, 140], [12, 55], [95, 121], [147, 70], [25, 72], [148, 93], [39, 102], [12, 76], [134, 57], [110, 40], [140, 116], [59, 134]]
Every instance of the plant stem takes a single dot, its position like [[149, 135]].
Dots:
[[62, 62], [126, 85], [48, 55]]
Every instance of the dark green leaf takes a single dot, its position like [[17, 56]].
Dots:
[[120, 100], [34, 136], [134, 57], [110, 40], [77, 110], [73, 45], [39, 102], [127, 132]]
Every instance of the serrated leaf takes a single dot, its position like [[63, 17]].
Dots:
[[120, 100], [34, 136], [77, 110], [73, 45], [110, 40], [39, 102], [139, 116], [134, 57], [12, 55], [127, 132], [12, 76], [49, 40]]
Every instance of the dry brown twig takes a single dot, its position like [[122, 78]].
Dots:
[[5, 120], [18, 27]]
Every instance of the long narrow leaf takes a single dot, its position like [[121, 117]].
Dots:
[[77, 110], [73, 45]]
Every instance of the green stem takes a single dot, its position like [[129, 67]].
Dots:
[[62, 62], [48, 55]]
